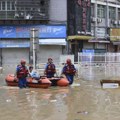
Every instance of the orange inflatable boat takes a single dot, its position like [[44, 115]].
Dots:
[[44, 82], [59, 81]]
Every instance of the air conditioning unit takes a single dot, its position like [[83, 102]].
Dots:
[[93, 19], [114, 22], [119, 22], [99, 20]]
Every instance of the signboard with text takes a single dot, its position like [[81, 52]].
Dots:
[[79, 17], [23, 31]]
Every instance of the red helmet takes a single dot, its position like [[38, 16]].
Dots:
[[49, 59], [23, 62], [68, 61]]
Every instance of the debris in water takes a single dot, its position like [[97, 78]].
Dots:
[[53, 100], [8, 100], [83, 112], [75, 85], [110, 85]]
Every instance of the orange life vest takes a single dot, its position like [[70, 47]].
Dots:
[[69, 69], [50, 68], [22, 72]]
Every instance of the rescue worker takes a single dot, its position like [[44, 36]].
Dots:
[[33, 73], [50, 69], [22, 73], [69, 71]]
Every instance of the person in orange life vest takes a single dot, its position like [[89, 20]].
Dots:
[[69, 71], [50, 68], [22, 73]]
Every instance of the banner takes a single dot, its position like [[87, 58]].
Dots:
[[23, 31]]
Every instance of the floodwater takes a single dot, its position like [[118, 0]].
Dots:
[[84, 100]]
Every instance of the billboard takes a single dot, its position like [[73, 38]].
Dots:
[[23, 31]]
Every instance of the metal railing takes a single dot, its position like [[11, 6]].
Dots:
[[109, 63], [99, 58]]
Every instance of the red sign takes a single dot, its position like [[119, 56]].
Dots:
[[85, 4]]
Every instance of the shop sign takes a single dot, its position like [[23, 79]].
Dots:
[[101, 33], [14, 44], [115, 34], [23, 31]]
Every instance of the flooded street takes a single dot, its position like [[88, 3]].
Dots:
[[84, 100]]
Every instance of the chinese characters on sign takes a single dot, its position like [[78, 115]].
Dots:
[[85, 5]]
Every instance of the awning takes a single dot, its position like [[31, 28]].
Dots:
[[79, 37], [14, 44], [52, 41]]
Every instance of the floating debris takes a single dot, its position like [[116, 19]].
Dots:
[[53, 100], [110, 85], [75, 85], [8, 100], [83, 112]]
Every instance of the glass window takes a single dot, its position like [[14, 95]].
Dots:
[[10, 14], [3, 5], [101, 11], [0, 5], [112, 13], [119, 14], [2, 15], [92, 10], [8, 5], [12, 6]]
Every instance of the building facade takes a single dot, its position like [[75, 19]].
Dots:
[[71, 27], [104, 18], [18, 17], [105, 24]]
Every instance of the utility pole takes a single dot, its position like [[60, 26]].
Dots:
[[33, 46]]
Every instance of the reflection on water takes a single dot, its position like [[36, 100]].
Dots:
[[85, 100], [99, 72]]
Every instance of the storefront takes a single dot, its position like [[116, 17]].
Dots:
[[51, 48], [12, 51], [77, 43], [15, 43]]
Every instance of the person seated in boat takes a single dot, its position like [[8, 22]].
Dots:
[[50, 69], [22, 73], [33, 73], [69, 71]]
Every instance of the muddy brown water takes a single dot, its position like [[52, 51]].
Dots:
[[89, 101]]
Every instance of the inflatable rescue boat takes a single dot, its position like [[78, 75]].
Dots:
[[44, 82]]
